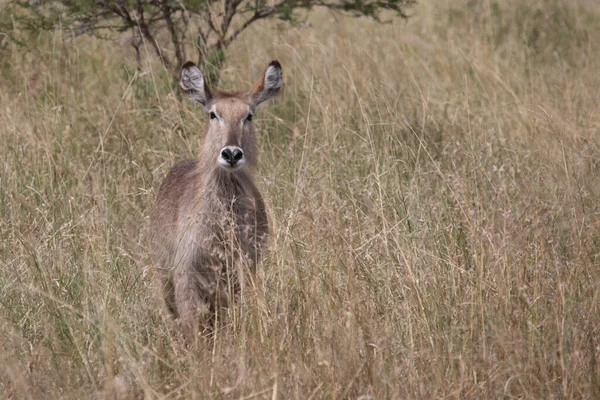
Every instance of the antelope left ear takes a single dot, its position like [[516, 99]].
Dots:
[[269, 85], [192, 82]]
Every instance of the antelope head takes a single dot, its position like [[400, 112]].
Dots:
[[229, 141]]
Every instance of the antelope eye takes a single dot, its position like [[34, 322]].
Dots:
[[212, 115], [249, 118]]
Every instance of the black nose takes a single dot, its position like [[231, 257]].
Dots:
[[232, 156]]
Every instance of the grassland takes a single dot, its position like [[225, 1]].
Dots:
[[434, 196]]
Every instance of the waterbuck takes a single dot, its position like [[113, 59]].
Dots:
[[209, 221]]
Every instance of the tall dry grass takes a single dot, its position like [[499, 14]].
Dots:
[[433, 188]]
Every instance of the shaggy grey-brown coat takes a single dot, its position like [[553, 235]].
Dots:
[[209, 223]]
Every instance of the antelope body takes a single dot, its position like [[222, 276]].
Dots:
[[209, 221]]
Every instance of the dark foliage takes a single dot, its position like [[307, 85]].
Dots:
[[216, 23]]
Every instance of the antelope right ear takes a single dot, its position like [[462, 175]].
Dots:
[[269, 85], [193, 84]]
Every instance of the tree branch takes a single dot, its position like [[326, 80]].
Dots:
[[166, 10], [260, 14], [145, 30], [230, 11]]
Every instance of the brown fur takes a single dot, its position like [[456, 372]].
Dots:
[[209, 225]]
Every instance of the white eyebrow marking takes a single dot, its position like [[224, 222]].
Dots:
[[213, 109], [250, 113]]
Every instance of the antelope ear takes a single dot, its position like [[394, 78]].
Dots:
[[269, 85], [193, 84]]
